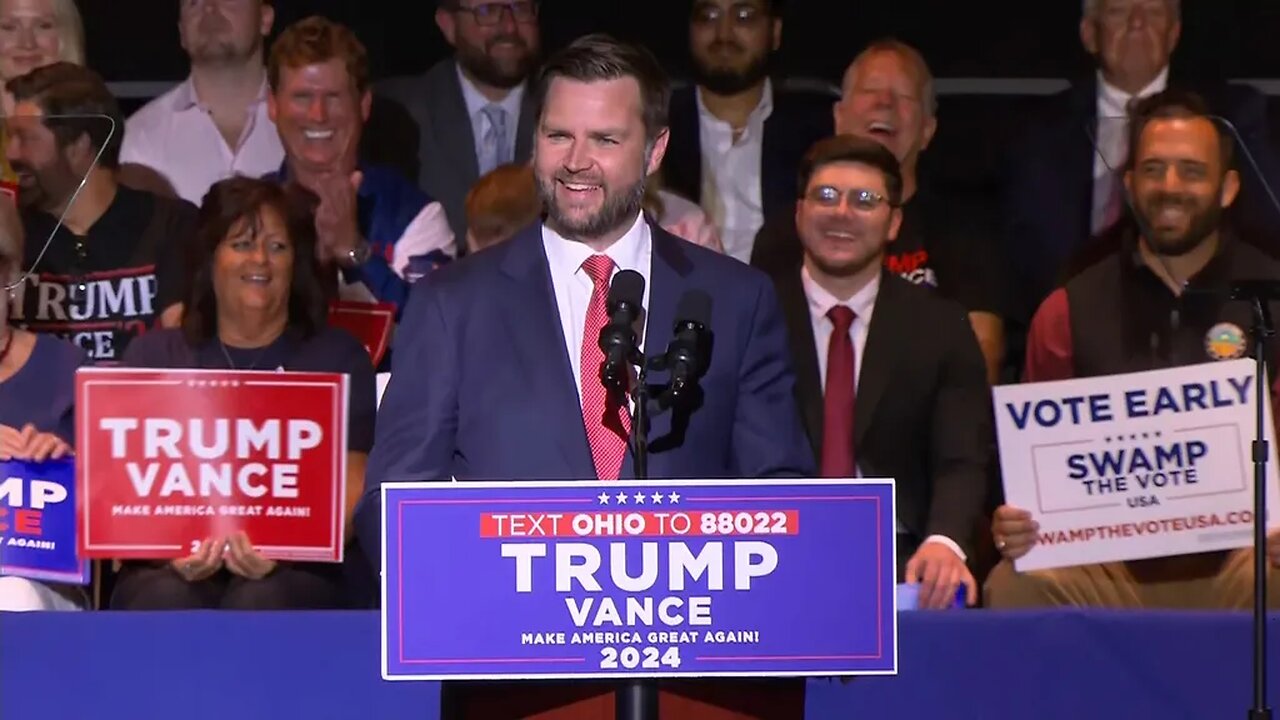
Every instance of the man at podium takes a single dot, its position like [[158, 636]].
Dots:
[[497, 369]]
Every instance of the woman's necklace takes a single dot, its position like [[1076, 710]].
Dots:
[[231, 363]]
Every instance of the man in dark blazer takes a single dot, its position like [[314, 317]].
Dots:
[[1064, 158], [735, 136], [472, 111], [889, 376], [497, 363]]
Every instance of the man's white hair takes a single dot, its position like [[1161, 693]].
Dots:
[[1091, 7]]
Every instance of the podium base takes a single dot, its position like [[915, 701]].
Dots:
[[594, 700]]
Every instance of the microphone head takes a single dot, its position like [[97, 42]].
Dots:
[[694, 307], [627, 287]]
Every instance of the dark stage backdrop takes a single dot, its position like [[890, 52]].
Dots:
[[136, 40]]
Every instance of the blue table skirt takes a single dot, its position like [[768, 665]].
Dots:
[[954, 665]]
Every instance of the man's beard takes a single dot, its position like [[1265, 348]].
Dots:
[[47, 190], [477, 62], [731, 81], [218, 44], [1203, 223], [617, 209]]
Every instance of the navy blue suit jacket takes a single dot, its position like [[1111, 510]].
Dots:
[[482, 389]]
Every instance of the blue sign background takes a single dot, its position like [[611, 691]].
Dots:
[[57, 525], [451, 609]]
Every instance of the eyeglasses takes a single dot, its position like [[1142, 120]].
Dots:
[[741, 13], [829, 197], [491, 13]]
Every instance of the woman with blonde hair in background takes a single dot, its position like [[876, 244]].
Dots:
[[35, 33]]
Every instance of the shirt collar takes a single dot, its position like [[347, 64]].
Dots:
[[566, 256], [762, 110], [1114, 102], [476, 101], [1215, 274], [186, 98], [862, 303]]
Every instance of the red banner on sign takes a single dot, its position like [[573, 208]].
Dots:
[[371, 323], [168, 458]]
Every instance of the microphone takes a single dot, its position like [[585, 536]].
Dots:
[[618, 336], [689, 354]]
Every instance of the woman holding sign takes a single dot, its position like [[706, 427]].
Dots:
[[255, 304], [37, 389]]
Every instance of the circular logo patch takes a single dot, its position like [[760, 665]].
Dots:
[[1225, 341]]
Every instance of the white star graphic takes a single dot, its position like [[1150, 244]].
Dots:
[[639, 498], [622, 498], [675, 497], [604, 498], [657, 498]]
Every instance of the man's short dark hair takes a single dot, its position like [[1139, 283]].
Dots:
[[1175, 103], [599, 57], [67, 89], [852, 149]]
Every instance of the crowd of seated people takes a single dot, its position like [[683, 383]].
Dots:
[[897, 295]]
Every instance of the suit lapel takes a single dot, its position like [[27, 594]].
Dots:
[[532, 322], [682, 166], [804, 353], [1080, 153], [526, 126], [884, 344], [453, 126]]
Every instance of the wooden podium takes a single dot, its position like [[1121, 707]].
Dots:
[[711, 699]]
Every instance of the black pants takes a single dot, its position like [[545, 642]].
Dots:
[[291, 586]]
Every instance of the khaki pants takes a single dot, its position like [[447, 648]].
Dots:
[[1204, 581]]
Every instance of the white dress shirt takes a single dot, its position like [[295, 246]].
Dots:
[[175, 135], [1113, 139], [573, 286], [731, 174], [476, 103], [863, 305]]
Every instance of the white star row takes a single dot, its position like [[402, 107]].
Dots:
[[213, 383], [639, 498]]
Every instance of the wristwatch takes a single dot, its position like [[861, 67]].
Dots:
[[358, 255]]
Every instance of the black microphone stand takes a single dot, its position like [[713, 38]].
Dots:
[[637, 699], [1262, 329]]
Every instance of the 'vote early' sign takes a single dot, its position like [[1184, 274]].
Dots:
[[1125, 467], [169, 458], [638, 579]]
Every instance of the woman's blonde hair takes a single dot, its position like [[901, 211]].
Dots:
[[70, 31]]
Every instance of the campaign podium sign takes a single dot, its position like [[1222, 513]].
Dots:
[[634, 579], [38, 522], [370, 323], [168, 458], [1134, 466]]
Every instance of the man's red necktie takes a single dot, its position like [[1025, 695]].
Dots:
[[605, 416], [838, 399]]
